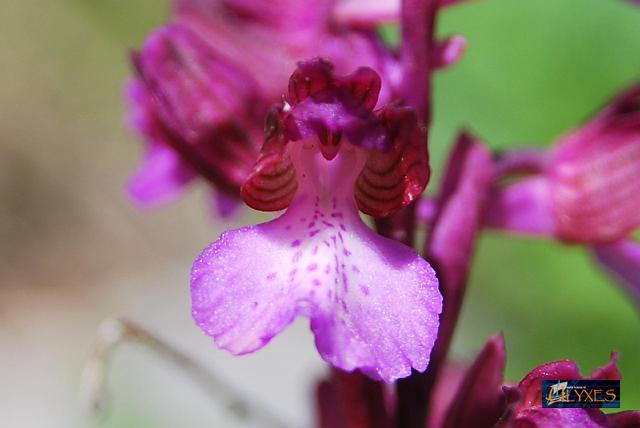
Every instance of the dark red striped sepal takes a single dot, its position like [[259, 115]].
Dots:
[[273, 181], [391, 180]]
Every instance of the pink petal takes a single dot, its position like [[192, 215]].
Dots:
[[525, 160], [480, 400], [160, 178], [622, 260], [304, 15], [374, 12], [224, 205], [366, 12], [523, 207], [561, 418], [609, 371], [462, 200], [595, 174], [449, 51], [373, 302], [463, 194], [528, 411]]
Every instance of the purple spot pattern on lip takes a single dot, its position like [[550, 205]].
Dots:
[[334, 242], [318, 281], [235, 268]]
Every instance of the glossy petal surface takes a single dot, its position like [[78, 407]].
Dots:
[[373, 302]]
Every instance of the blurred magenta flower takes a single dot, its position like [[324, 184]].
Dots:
[[584, 190], [373, 302], [205, 81], [196, 111]]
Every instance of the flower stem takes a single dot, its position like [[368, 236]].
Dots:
[[113, 332]]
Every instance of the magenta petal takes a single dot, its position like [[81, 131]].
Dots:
[[526, 160], [523, 207], [374, 12], [366, 12], [622, 260], [385, 319], [449, 51], [595, 175], [235, 298], [480, 400], [300, 15], [450, 244], [561, 418], [444, 392], [224, 205], [527, 410], [373, 302], [160, 178], [192, 86], [531, 386], [463, 195], [609, 371]]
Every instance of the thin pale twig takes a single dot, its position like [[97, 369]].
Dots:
[[113, 332]]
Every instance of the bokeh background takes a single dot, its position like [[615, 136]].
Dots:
[[74, 251]]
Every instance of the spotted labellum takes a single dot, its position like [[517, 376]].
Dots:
[[373, 302]]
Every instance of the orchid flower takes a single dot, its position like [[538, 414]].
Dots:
[[198, 102], [373, 302], [584, 190]]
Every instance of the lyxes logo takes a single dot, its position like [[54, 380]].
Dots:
[[580, 393]]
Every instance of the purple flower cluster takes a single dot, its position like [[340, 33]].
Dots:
[[346, 130]]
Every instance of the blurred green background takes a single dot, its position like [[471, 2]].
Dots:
[[73, 251]]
